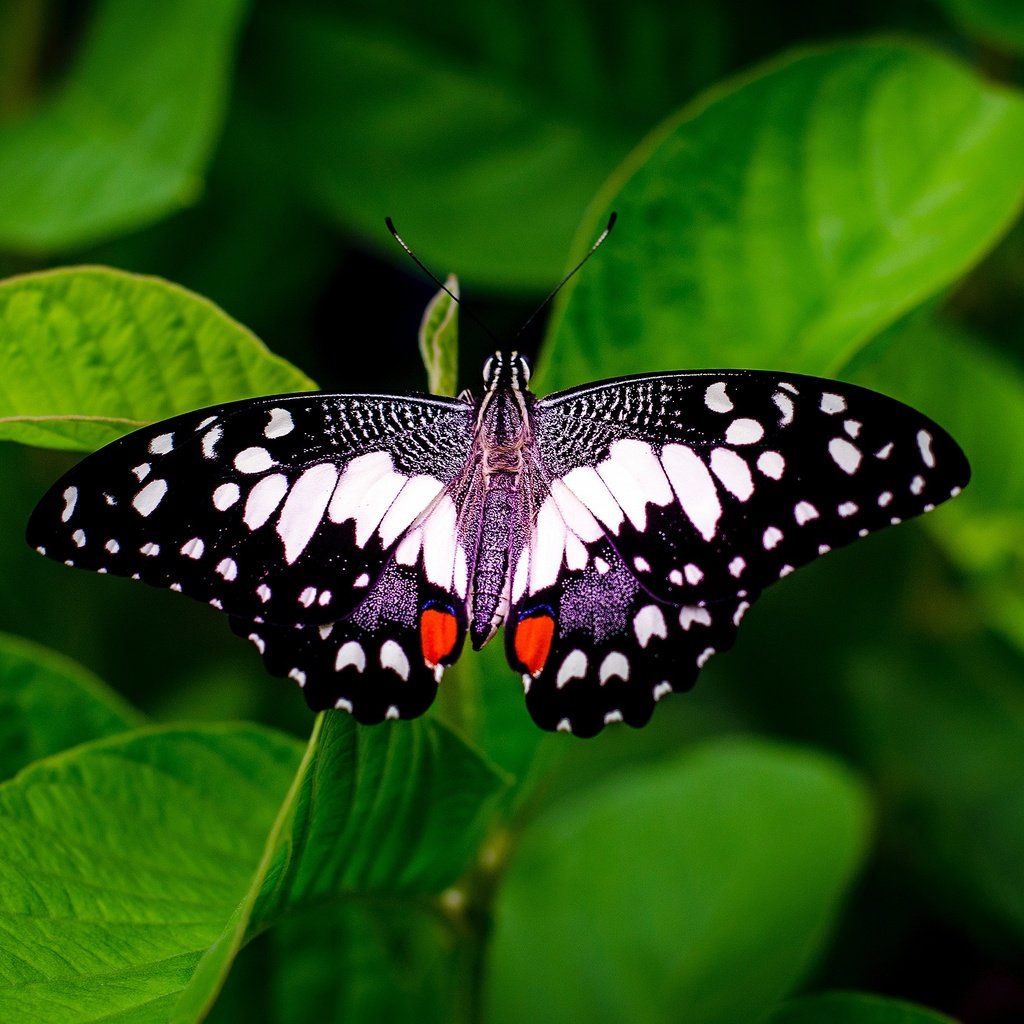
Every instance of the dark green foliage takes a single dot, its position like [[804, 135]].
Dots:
[[838, 805]]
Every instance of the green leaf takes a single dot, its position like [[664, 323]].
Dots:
[[352, 962], [126, 137], [380, 120], [786, 219], [48, 704], [398, 810], [87, 354], [854, 1008], [121, 862], [1000, 22], [699, 889], [439, 339]]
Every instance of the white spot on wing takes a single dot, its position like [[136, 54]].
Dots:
[[439, 543], [362, 580], [142, 471], [112, 546], [281, 423], [737, 565], [263, 592], [350, 653], [414, 497], [614, 664], [225, 496], [693, 614], [193, 548], [663, 689], [705, 656], [149, 497], [831, 403], [633, 475], [804, 512], [304, 508], [785, 406], [924, 444], [210, 439], [845, 455], [393, 657], [573, 667], [162, 444], [227, 568], [641, 564], [771, 537], [734, 473], [744, 431], [695, 489], [648, 622], [307, 596], [693, 573], [847, 509], [79, 538], [253, 460], [772, 464], [885, 451], [716, 399], [586, 485], [917, 485], [263, 499]]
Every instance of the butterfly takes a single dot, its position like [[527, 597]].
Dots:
[[618, 531]]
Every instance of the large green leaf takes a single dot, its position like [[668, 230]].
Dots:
[[854, 1008], [121, 862], [125, 138], [396, 811], [698, 889], [87, 354], [784, 220], [482, 132], [48, 704]]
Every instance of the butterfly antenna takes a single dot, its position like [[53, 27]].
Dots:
[[440, 284], [572, 273]]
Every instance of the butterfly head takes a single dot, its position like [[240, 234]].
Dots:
[[506, 371]]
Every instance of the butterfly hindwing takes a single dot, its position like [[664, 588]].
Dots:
[[284, 508], [383, 661], [596, 647]]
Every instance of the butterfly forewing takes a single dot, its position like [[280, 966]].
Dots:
[[284, 508], [721, 481]]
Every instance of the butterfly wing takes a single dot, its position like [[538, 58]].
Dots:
[[283, 508], [323, 524], [672, 500]]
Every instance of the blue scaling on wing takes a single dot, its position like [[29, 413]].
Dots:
[[675, 499], [619, 531]]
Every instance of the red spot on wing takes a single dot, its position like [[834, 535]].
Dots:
[[439, 632], [533, 641]]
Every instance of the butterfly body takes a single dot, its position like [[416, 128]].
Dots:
[[619, 530]]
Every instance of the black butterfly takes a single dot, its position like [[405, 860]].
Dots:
[[619, 530]]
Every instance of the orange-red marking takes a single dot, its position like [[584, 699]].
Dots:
[[533, 641], [439, 631]]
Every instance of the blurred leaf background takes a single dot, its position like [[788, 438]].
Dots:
[[839, 805]]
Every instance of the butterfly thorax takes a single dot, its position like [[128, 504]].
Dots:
[[503, 433]]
